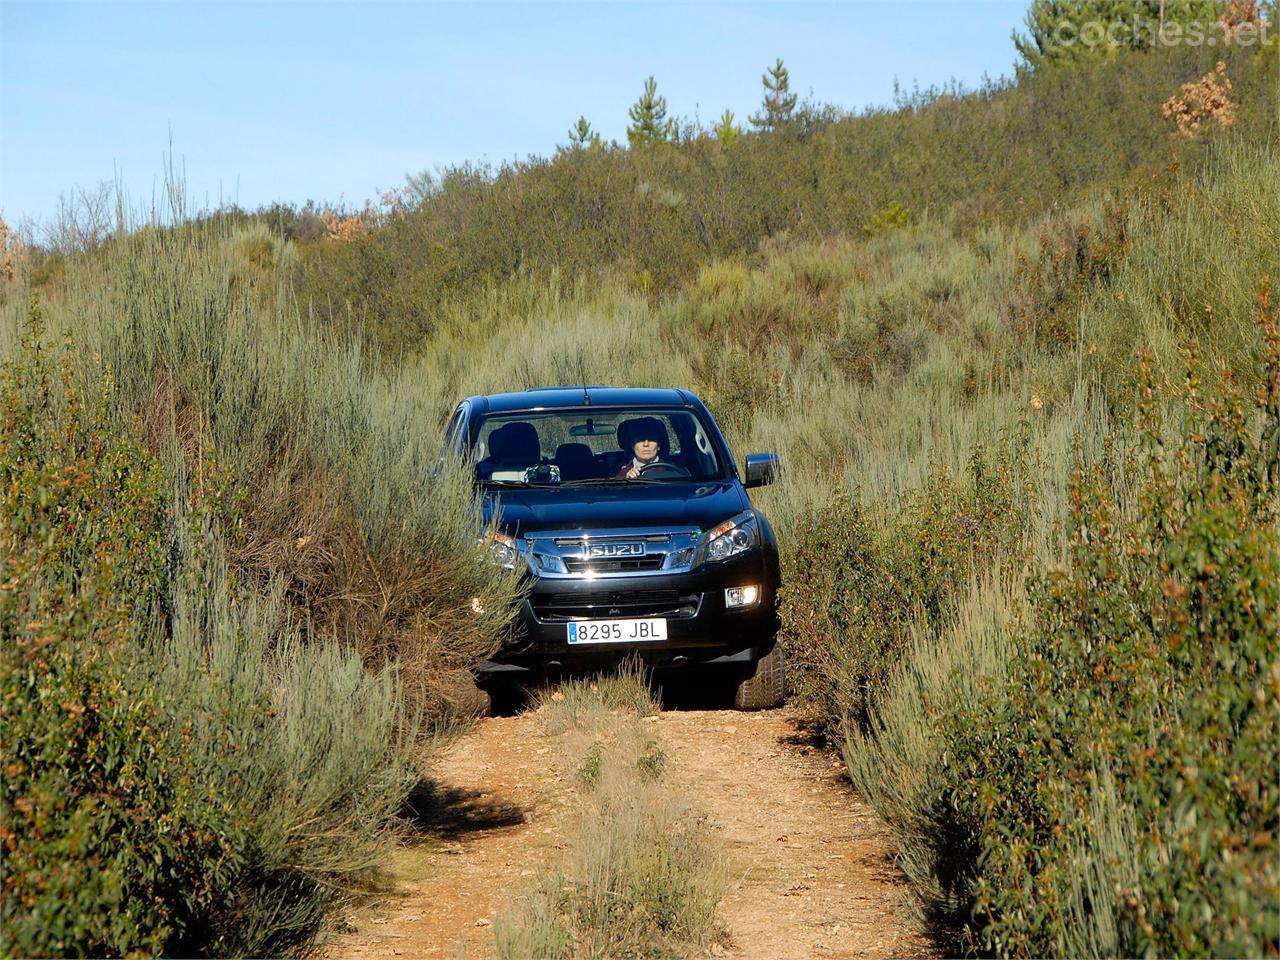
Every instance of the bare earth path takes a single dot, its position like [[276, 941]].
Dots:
[[810, 862]]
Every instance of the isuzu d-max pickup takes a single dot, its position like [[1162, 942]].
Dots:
[[626, 512]]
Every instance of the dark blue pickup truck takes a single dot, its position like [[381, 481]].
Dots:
[[626, 512]]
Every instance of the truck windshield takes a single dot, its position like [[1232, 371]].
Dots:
[[595, 446]]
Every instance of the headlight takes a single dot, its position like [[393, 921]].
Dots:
[[502, 549], [736, 535]]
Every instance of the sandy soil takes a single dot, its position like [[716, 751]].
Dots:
[[811, 870]]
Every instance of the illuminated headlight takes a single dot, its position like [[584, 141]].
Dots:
[[734, 536], [502, 550], [735, 597]]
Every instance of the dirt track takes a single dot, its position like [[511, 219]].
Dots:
[[811, 869]]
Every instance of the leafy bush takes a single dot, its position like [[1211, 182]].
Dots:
[[857, 581], [83, 530], [939, 745], [1122, 784]]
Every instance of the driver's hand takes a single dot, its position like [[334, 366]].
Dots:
[[633, 472]]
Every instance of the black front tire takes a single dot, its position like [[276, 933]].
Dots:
[[766, 688]]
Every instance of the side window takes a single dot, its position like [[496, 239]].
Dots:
[[449, 446]]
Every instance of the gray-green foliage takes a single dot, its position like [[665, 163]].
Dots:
[[303, 749], [316, 570], [334, 457], [975, 799], [878, 367], [1142, 791], [881, 367]]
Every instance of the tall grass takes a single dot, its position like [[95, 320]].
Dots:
[[880, 369], [335, 462], [910, 760], [309, 754]]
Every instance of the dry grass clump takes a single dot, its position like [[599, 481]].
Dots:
[[11, 246], [642, 875], [343, 228], [576, 704]]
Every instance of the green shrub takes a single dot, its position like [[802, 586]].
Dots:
[[857, 582], [1122, 783], [83, 532], [930, 711], [892, 217]]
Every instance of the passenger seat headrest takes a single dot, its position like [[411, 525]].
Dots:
[[516, 443]]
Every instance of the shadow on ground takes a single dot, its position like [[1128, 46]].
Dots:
[[451, 813], [678, 688], [693, 689]]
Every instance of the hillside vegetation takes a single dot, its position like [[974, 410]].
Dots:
[[1015, 347]]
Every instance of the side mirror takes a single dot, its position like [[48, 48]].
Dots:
[[762, 469]]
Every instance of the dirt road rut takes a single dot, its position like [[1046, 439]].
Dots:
[[811, 872]]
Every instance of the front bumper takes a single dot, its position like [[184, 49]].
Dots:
[[699, 627]]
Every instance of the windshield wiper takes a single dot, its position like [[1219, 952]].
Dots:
[[607, 480], [517, 483]]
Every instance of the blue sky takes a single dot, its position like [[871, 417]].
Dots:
[[290, 100]]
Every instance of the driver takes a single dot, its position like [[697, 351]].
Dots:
[[646, 437]]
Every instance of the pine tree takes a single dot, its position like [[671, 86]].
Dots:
[[779, 102], [1062, 30], [649, 123], [726, 130], [582, 137]]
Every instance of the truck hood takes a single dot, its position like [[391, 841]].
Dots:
[[533, 510]]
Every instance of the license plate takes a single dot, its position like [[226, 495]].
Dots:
[[617, 631]]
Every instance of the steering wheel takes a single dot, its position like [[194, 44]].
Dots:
[[664, 469]]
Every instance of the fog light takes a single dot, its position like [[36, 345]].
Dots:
[[741, 596], [477, 606]]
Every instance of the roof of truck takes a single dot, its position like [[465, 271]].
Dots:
[[550, 398]]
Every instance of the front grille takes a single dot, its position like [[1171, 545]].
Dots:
[[580, 541], [562, 607], [601, 565]]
